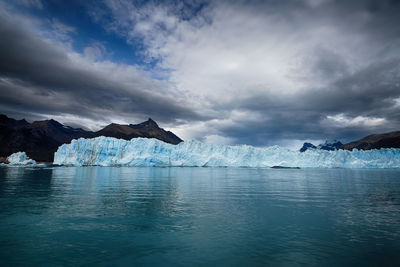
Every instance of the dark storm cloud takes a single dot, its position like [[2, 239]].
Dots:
[[37, 76], [360, 97], [369, 93]]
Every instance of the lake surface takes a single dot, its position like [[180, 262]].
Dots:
[[106, 216]]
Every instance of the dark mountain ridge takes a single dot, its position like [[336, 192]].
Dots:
[[376, 141], [6, 121], [40, 139], [147, 129], [373, 141]]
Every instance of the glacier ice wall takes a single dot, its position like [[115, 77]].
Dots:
[[107, 151], [20, 158]]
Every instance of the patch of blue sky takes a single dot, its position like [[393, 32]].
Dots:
[[76, 14]]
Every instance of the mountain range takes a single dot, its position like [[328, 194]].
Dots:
[[376, 141], [373, 141], [40, 139]]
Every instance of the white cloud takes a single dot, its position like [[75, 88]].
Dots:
[[96, 51], [76, 121], [60, 31], [341, 120], [243, 48], [228, 50]]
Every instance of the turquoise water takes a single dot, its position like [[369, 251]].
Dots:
[[104, 216]]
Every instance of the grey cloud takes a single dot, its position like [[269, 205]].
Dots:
[[369, 93], [329, 65], [37, 76]]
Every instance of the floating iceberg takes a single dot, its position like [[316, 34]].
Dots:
[[107, 151], [20, 158]]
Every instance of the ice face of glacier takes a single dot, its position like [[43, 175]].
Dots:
[[20, 158], [107, 151]]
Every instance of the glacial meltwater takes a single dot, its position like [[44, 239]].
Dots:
[[149, 216]]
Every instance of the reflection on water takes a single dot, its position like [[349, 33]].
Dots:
[[198, 216]]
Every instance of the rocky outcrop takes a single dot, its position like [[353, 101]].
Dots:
[[306, 146]]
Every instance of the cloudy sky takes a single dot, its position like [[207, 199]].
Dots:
[[262, 73]]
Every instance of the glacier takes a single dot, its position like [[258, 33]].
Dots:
[[20, 158], [108, 151]]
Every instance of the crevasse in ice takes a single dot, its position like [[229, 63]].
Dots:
[[107, 151], [20, 158]]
